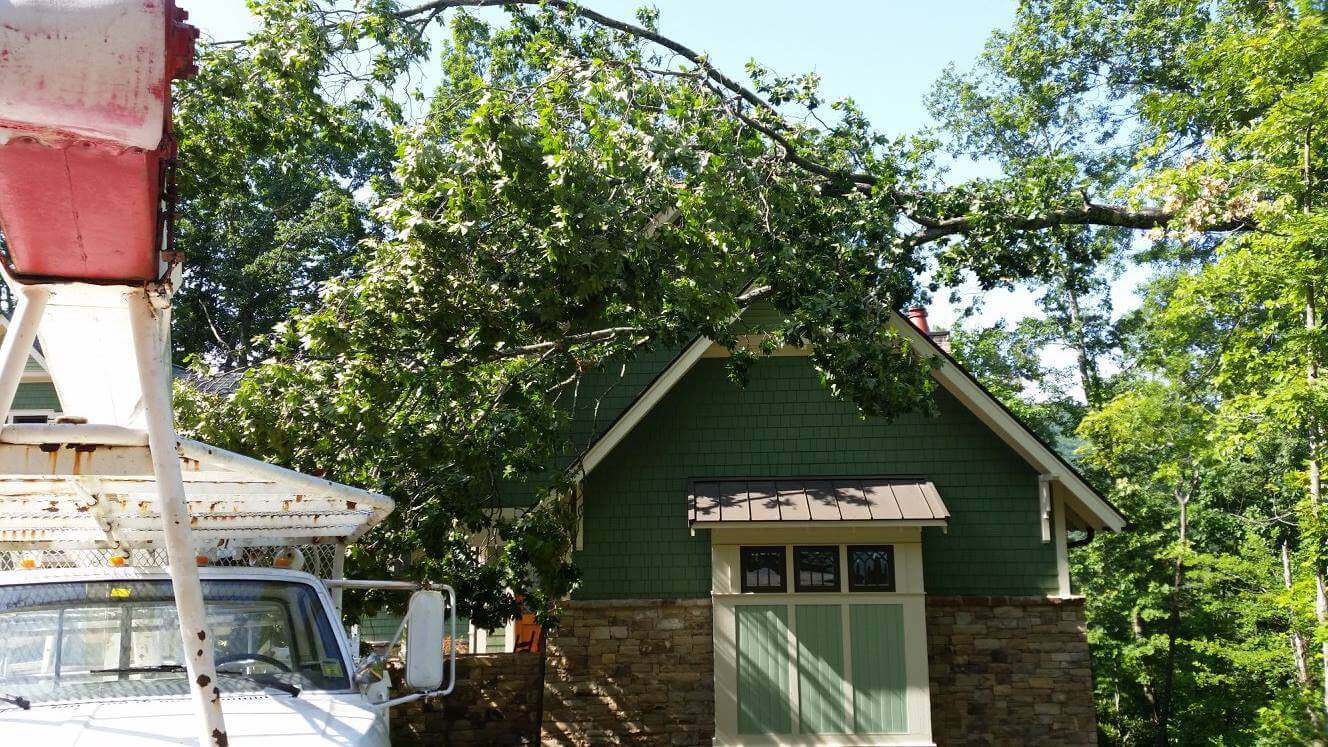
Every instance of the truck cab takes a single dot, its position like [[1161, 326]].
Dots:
[[93, 657]]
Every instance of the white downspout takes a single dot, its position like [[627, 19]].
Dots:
[[149, 317]]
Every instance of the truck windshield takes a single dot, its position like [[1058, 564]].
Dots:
[[86, 640]]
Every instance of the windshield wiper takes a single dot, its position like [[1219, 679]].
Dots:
[[140, 670], [17, 700], [271, 682]]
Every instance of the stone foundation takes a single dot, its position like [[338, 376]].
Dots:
[[1004, 671], [631, 672], [496, 702], [1009, 670]]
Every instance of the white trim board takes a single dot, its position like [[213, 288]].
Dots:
[[1080, 498]]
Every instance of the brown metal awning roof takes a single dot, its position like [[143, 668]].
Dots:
[[888, 499]]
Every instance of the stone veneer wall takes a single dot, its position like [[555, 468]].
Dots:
[[496, 702], [1009, 670], [631, 672], [1004, 670]]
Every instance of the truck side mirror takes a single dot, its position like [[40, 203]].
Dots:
[[424, 640]]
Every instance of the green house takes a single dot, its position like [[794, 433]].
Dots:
[[36, 400], [763, 566]]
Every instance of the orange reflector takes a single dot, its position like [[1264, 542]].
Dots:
[[27, 563], [201, 559], [117, 560], [281, 562]]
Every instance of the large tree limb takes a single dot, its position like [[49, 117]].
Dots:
[[744, 299], [933, 227], [1088, 214], [642, 32], [599, 335]]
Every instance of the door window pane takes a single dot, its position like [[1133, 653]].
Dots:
[[816, 568], [763, 569], [871, 568]]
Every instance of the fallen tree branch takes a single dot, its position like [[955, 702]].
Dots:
[[1091, 213], [1088, 214], [743, 300], [933, 227], [599, 335]]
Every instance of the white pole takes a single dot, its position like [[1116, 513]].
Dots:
[[338, 571], [149, 316], [17, 347]]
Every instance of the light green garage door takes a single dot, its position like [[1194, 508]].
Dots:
[[847, 678]]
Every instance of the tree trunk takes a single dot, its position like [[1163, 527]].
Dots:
[[1088, 377], [1315, 432], [1173, 627], [1298, 650], [1149, 691]]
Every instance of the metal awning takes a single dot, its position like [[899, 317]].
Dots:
[[898, 500], [92, 487]]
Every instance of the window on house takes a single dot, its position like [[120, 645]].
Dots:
[[871, 568], [29, 418], [816, 568], [763, 569]]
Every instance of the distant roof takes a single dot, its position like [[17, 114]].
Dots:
[[885, 499], [218, 383]]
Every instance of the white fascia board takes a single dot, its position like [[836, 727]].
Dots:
[[1016, 435]]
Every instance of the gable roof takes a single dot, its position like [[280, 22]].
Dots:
[[1092, 508], [35, 368]]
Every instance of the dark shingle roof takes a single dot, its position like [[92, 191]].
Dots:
[[223, 383]]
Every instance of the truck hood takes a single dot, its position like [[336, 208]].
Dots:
[[251, 720]]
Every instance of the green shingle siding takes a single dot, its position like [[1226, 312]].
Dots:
[[600, 397], [785, 424], [36, 395]]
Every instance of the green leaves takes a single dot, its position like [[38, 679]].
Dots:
[[563, 206], [428, 295]]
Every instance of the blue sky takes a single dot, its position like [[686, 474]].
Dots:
[[884, 53]]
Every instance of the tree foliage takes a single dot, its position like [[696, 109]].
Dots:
[[579, 189], [1203, 617]]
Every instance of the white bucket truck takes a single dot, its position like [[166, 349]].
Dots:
[[153, 590], [90, 643]]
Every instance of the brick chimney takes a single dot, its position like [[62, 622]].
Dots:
[[918, 316]]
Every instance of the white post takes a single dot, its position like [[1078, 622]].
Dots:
[[1044, 505], [1062, 551], [149, 316], [17, 347], [338, 571]]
